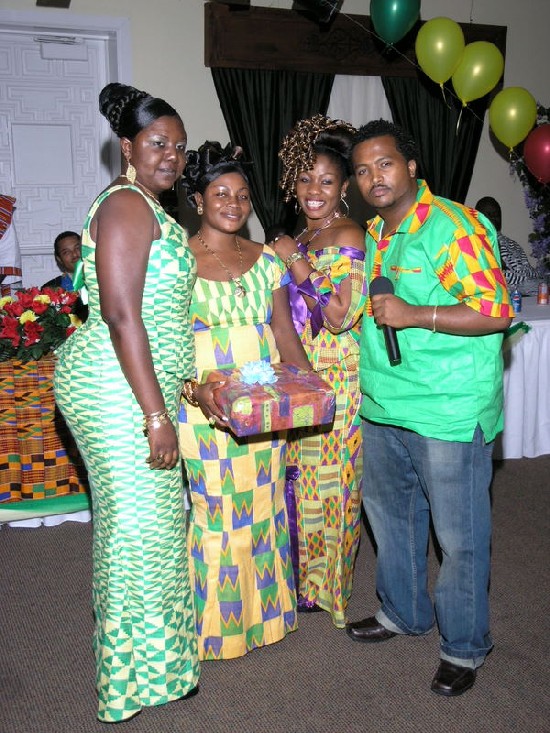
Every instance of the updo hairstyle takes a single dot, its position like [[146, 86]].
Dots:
[[310, 138], [129, 110], [206, 164]]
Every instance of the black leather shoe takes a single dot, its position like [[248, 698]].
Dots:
[[452, 680], [368, 630]]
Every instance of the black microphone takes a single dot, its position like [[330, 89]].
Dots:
[[383, 286]]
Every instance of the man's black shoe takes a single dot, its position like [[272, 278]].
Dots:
[[452, 680], [368, 630]]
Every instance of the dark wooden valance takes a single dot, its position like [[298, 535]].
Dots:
[[267, 38]]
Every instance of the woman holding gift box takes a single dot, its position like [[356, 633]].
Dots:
[[239, 540], [328, 296]]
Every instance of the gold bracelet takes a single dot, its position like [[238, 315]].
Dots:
[[294, 257], [434, 319], [188, 391], [154, 420]]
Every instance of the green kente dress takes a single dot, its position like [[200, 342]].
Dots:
[[144, 640]]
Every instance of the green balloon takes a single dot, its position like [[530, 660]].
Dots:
[[393, 19], [439, 48], [478, 72], [512, 114]]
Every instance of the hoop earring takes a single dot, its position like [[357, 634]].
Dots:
[[200, 210], [297, 207], [344, 202], [131, 173]]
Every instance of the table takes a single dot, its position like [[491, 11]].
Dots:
[[41, 472], [527, 387]]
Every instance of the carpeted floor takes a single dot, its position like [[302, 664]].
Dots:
[[315, 681]]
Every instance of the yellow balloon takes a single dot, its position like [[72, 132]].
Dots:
[[439, 48], [512, 114], [478, 72]]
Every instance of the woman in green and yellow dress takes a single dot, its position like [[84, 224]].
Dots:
[[238, 538], [117, 382]]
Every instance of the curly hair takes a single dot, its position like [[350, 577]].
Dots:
[[207, 163], [404, 142], [309, 138], [129, 110]]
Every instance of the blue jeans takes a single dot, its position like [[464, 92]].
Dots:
[[407, 479]]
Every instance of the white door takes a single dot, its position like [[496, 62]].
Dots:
[[54, 145]]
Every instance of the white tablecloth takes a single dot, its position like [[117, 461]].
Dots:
[[527, 388]]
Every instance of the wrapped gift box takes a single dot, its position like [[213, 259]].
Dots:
[[297, 398]]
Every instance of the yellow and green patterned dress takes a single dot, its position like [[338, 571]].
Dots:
[[238, 537], [326, 465], [144, 640]]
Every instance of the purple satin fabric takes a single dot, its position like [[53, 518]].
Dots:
[[298, 306], [292, 474]]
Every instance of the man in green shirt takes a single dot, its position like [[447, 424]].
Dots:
[[431, 419]]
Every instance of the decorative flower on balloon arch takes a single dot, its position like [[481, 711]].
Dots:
[[532, 167]]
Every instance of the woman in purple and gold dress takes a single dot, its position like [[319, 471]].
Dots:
[[328, 296]]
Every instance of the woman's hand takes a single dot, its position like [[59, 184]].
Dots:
[[163, 446], [284, 246], [205, 394]]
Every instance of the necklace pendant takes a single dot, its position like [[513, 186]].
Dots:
[[239, 288]]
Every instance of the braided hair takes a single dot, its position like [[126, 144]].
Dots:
[[206, 164], [129, 110], [309, 138]]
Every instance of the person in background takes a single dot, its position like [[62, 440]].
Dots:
[[430, 420], [328, 290], [117, 382], [10, 254], [518, 271], [238, 538], [67, 249]]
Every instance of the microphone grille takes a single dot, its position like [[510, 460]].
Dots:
[[381, 286]]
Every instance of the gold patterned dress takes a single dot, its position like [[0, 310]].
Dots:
[[144, 640], [325, 466], [238, 537]]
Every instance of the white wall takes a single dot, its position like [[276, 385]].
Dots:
[[168, 60]]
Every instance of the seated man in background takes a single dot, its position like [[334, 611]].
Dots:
[[518, 271], [10, 256], [67, 249]]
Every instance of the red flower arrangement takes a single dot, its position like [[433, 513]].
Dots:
[[34, 322]]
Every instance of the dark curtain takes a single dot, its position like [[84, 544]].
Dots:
[[259, 108], [447, 134]]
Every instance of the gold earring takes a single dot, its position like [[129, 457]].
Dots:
[[130, 173], [200, 210], [344, 202]]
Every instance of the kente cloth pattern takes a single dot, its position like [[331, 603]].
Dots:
[[144, 640], [6, 213], [329, 462], [38, 457], [239, 549], [467, 265]]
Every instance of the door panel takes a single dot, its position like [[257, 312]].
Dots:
[[54, 144]]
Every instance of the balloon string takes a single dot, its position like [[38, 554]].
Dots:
[[459, 119], [446, 103]]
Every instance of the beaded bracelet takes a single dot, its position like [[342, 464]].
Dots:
[[294, 257], [188, 391], [154, 420]]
